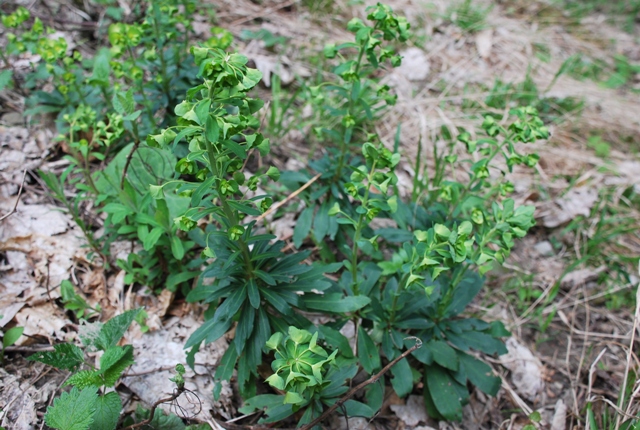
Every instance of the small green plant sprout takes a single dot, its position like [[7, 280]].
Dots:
[[308, 376], [9, 338], [75, 302], [89, 404], [179, 377]]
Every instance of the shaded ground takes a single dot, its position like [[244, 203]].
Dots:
[[566, 293]]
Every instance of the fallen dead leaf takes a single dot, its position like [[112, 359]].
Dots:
[[526, 369], [581, 276], [559, 420], [44, 320], [484, 43], [415, 64], [412, 412], [578, 201]]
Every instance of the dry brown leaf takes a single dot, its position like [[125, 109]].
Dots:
[[578, 201], [526, 369], [411, 413], [581, 276], [45, 320], [559, 420], [415, 64], [484, 43]]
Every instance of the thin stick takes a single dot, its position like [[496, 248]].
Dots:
[[289, 197], [24, 175], [361, 385]]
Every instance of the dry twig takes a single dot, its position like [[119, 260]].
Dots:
[[7, 215]]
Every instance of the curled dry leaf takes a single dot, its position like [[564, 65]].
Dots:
[[559, 420], [526, 369], [578, 201], [411, 413], [581, 276], [45, 320], [484, 43], [415, 64]]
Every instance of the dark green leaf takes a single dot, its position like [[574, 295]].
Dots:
[[224, 372], [337, 340], [358, 409], [464, 293], [113, 330], [245, 326], [367, 352], [212, 129], [177, 248], [402, 381], [276, 300], [108, 409], [443, 354], [65, 356], [210, 331], [480, 374], [375, 394], [443, 393], [73, 410], [115, 363], [303, 226], [336, 302], [253, 293]]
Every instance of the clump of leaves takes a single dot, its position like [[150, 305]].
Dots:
[[83, 407], [309, 376]]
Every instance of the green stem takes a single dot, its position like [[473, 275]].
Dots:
[[392, 316], [359, 226], [229, 213], [343, 144]]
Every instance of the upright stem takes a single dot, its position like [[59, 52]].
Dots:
[[343, 144], [229, 213], [359, 226]]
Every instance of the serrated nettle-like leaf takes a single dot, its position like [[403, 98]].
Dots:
[[113, 362], [74, 410], [107, 414], [64, 356], [86, 378], [113, 330]]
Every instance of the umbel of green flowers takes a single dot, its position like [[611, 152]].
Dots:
[[300, 365]]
